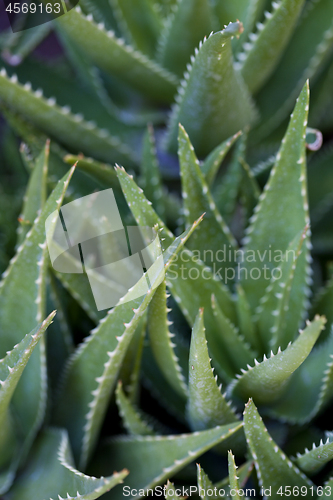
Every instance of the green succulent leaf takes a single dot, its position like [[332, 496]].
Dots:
[[267, 381], [310, 388], [274, 304], [268, 235], [206, 406], [29, 295], [189, 22], [170, 493], [203, 482], [116, 58], [213, 161], [163, 455], [140, 23], [189, 298], [214, 234], [236, 348], [133, 421], [161, 341], [311, 461], [233, 479], [303, 59], [11, 369], [86, 392], [261, 56], [151, 177], [70, 129], [247, 327], [35, 196], [202, 106], [51, 473], [274, 469], [227, 187]]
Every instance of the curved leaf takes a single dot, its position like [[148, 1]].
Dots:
[[206, 406], [133, 421], [212, 102]]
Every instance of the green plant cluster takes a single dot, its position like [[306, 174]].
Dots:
[[190, 101]]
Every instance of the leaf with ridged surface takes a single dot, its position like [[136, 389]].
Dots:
[[273, 467], [87, 386], [311, 461], [51, 474], [70, 129], [35, 195], [213, 161], [213, 236], [140, 23], [206, 406], [11, 369], [163, 455], [212, 102], [272, 324], [235, 346], [185, 271], [309, 388], [28, 296], [161, 341], [118, 59], [151, 177], [189, 22], [268, 380], [268, 235], [132, 419], [264, 51], [302, 59], [233, 478]]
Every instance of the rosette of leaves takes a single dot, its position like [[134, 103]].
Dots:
[[57, 397]]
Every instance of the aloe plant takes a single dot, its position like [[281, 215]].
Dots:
[[128, 399]]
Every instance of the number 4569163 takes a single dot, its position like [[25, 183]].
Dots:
[[50, 8]]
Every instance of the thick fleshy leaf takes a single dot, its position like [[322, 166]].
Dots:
[[212, 102], [268, 236], [140, 23], [302, 59], [213, 237], [151, 177], [87, 386], [227, 186], [267, 381], [206, 406], [70, 129], [11, 369], [132, 420], [118, 59], [35, 195], [233, 478], [29, 296], [237, 350], [274, 305], [203, 482], [184, 272], [263, 53], [309, 389], [274, 469], [246, 325], [161, 341], [311, 461], [163, 455], [51, 473], [213, 161], [189, 22]]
